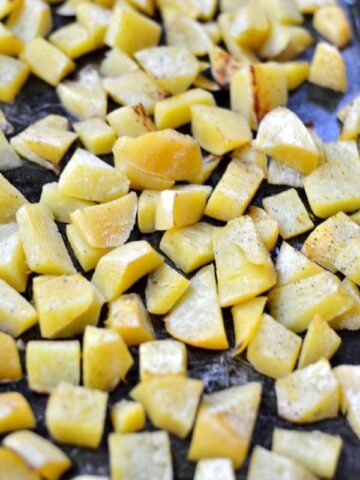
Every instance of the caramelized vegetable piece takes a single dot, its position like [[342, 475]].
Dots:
[[229, 416], [308, 395], [131, 121], [332, 23], [327, 68], [96, 135], [13, 267], [50, 363], [16, 412], [132, 454], [197, 319], [44, 248], [120, 269], [127, 417], [162, 358], [292, 266], [212, 468], [10, 366], [13, 466], [266, 226], [128, 316], [247, 317]]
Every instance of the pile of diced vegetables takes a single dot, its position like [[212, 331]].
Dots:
[[215, 247]]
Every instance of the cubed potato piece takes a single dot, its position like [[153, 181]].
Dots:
[[272, 466], [223, 65], [267, 227], [76, 415], [10, 44], [74, 40], [295, 304], [131, 31], [10, 365], [332, 23], [44, 247], [96, 135], [250, 25], [173, 68], [347, 260], [68, 8], [49, 363], [311, 6], [116, 63], [285, 42], [167, 154], [190, 8], [16, 314], [346, 151], [182, 31], [147, 204], [87, 177], [281, 174], [61, 206], [219, 130], [175, 111], [13, 267], [257, 89], [251, 154], [196, 318], [213, 468], [209, 164], [182, 206], [320, 341], [288, 210], [127, 417], [46, 61], [106, 358], [31, 19], [351, 122], [9, 159], [10, 200], [119, 269], [16, 413], [328, 69], [163, 289], [327, 240], [95, 19], [243, 265], [13, 466], [132, 454], [229, 416], [129, 317], [7, 6], [308, 395], [292, 266], [234, 191], [23, 149], [349, 320], [283, 136], [246, 317], [14, 74], [273, 349], [130, 121], [145, 6], [162, 358], [283, 11], [349, 382], [317, 451], [296, 73], [109, 224], [43, 456], [65, 305], [171, 402]]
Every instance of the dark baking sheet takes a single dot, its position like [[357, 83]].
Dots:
[[218, 370]]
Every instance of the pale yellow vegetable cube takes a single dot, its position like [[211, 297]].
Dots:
[[295, 304], [182, 31], [96, 135], [13, 267], [163, 289], [10, 200], [209, 164], [16, 413], [10, 365], [228, 416], [13, 466], [250, 25], [127, 417], [43, 456], [147, 204], [74, 40], [120, 269], [31, 19], [86, 255], [308, 395], [106, 358], [9, 159], [219, 130], [243, 265], [95, 19], [162, 358], [76, 415], [146, 6], [89, 178], [14, 74], [65, 305], [214, 468], [10, 44], [46, 61], [272, 466], [171, 402], [285, 42], [16, 314], [311, 6], [347, 260], [116, 63], [284, 11], [242, 54], [108, 224], [292, 266], [317, 451], [131, 31], [328, 69], [197, 318], [223, 65], [130, 121], [349, 320], [190, 8], [251, 154], [246, 317], [348, 377], [68, 8], [267, 227], [283, 136], [183, 205], [296, 73], [351, 121], [234, 191], [133, 454], [49, 363], [281, 174], [7, 6], [332, 23]]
